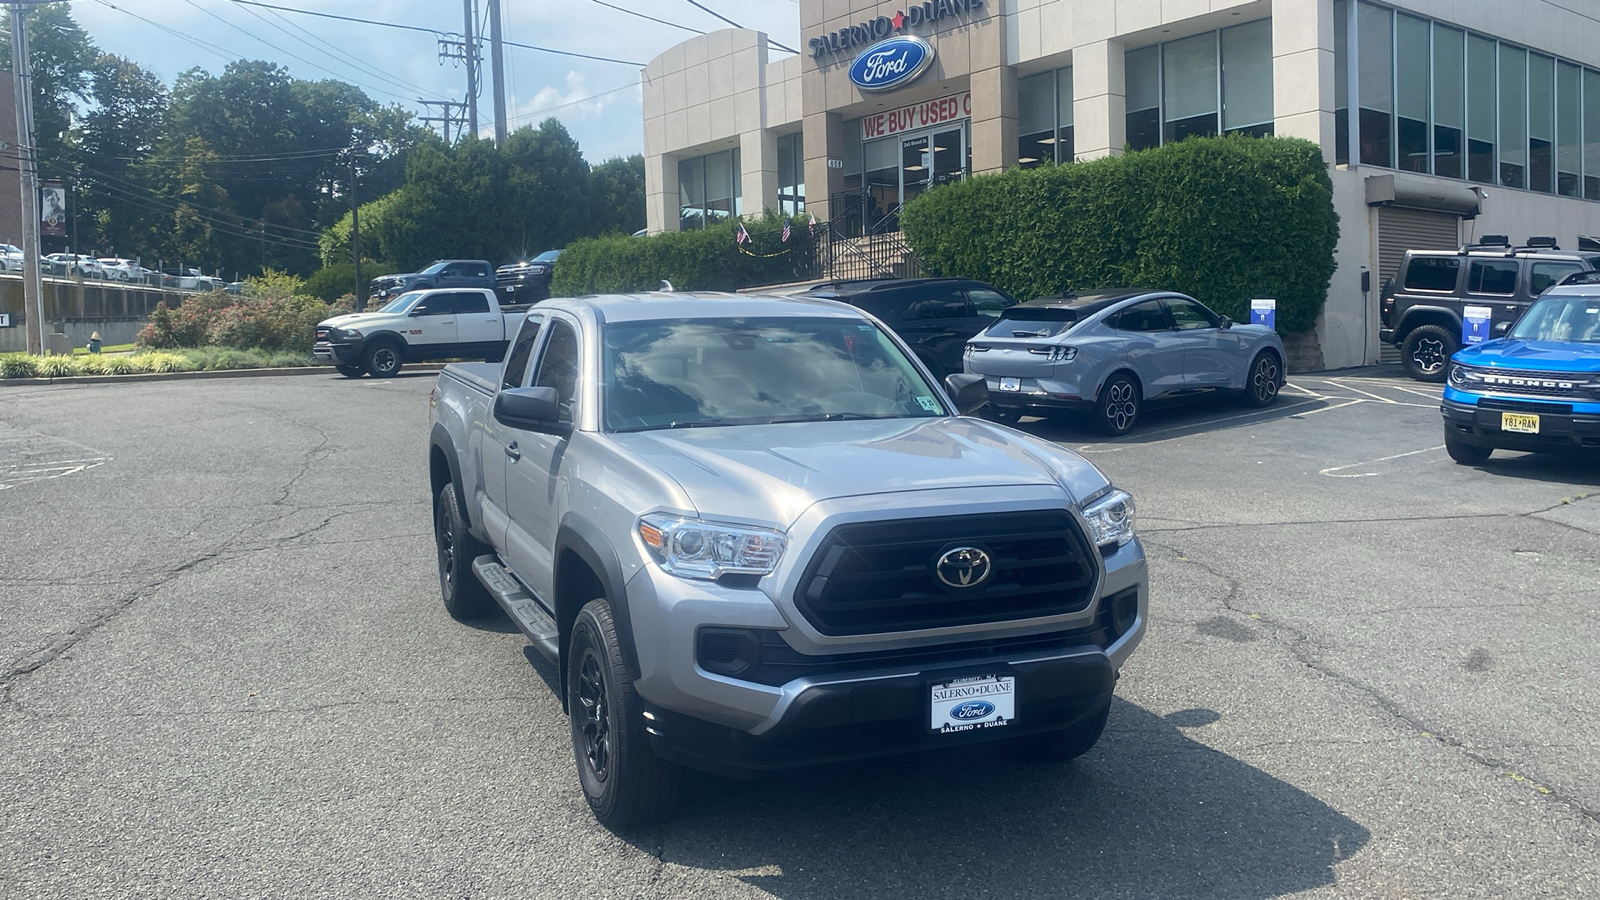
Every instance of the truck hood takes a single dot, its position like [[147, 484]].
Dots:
[[772, 473], [1563, 357], [354, 320]]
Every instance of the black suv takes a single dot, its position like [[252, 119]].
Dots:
[[936, 316], [1422, 306]]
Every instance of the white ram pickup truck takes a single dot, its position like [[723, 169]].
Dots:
[[445, 323]]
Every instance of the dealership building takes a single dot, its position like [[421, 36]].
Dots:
[[1440, 120]]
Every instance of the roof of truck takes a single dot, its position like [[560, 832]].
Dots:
[[702, 305]]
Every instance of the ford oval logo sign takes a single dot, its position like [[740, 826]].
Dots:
[[891, 63], [972, 709]]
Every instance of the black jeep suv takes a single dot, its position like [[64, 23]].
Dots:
[[936, 316], [1422, 306]]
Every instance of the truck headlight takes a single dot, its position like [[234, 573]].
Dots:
[[1111, 519], [690, 548]]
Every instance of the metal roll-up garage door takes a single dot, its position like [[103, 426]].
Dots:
[[1401, 229]]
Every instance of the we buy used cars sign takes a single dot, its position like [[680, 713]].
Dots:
[[917, 116]]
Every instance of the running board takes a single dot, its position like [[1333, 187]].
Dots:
[[520, 605]]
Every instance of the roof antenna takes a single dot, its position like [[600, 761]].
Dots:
[[666, 287]]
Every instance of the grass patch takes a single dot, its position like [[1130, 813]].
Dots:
[[209, 359], [107, 348]]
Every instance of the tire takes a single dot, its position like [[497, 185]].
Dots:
[[465, 597], [382, 360], [1060, 746], [625, 783], [1119, 405], [1426, 352], [351, 371], [1266, 376], [1466, 454]]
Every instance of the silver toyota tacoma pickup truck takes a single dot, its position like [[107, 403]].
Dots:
[[753, 533]]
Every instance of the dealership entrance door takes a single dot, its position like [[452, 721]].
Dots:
[[902, 166]]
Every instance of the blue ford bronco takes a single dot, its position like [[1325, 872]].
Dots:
[[1537, 388]]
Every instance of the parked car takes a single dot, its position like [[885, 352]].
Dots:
[[417, 326], [753, 534], [73, 265], [528, 279], [1112, 351], [1537, 388], [444, 273], [936, 316], [122, 269], [1422, 308]]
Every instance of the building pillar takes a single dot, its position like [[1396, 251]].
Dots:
[[758, 176], [994, 119], [1302, 72], [822, 137], [1099, 100], [661, 193]]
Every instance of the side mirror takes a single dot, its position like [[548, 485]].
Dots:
[[970, 392], [1500, 329], [530, 409], [1227, 322]]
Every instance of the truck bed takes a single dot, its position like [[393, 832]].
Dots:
[[483, 377]]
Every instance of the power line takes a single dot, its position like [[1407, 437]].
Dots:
[[127, 186], [539, 112], [651, 18], [216, 225], [700, 6], [350, 61]]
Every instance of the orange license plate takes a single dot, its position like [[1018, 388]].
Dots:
[[1519, 422]]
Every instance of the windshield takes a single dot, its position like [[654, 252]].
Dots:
[[434, 269], [549, 256], [757, 371], [1561, 319], [399, 304]]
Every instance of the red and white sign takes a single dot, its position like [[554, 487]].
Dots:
[[917, 116]]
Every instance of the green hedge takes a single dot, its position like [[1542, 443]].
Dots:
[[703, 260], [1221, 219]]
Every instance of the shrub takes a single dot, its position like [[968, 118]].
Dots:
[[705, 260], [266, 318], [1221, 219], [18, 365]]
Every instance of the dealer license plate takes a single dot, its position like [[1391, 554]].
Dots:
[[966, 704], [1520, 422], [1011, 384]]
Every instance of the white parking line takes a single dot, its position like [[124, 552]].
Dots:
[[1335, 471], [1380, 399]]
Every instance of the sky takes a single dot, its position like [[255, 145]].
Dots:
[[599, 102]]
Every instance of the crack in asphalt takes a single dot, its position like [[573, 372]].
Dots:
[[1304, 648], [281, 710], [1381, 520]]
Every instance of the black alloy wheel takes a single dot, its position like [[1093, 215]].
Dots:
[[1266, 376], [623, 780], [1118, 408], [1426, 352], [383, 360], [464, 596]]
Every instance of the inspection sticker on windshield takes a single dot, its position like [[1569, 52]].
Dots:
[[1010, 384], [928, 404], [988, 701]]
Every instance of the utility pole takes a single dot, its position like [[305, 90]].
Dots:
[[497, 61], [470, 9], [453, 114], [28, 166], [355, 234]]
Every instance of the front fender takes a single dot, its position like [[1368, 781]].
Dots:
[[578, 537]]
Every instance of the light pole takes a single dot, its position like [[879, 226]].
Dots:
[[28, 174]]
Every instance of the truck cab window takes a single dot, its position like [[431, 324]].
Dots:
[[521, 354], [436, 305], [558, 367], [472, 302]]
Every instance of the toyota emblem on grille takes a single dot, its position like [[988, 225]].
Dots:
[[963, 567]]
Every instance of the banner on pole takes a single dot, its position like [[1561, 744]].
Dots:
[[53, 209]]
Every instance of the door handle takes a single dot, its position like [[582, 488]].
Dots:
[[513, 452]]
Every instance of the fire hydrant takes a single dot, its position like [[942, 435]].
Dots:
[[94, 342]]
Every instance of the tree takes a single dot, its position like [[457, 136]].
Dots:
[[616, 192], [63, 59], [121, 129]]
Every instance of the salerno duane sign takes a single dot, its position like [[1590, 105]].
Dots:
[[875, 30]]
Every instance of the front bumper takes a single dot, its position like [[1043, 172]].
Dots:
[[344, 353], [870, 695], [1562, 425]]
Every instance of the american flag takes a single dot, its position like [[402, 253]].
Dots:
[[786, 231], [813, 224], [741, 236]]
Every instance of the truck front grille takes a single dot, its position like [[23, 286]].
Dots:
[[873, 577]]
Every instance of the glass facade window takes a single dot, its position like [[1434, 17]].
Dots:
[[708, 189], [1413, 77], [1375, 78], [1569, 119], [1144, 97], [1211, 83], [1044, 118], [1449, 102], [791, 175], [1430, 97]]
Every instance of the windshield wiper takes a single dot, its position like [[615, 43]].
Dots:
[[832, 417], [714, 423]]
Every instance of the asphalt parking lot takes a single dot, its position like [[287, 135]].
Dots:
[[225, 672]]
